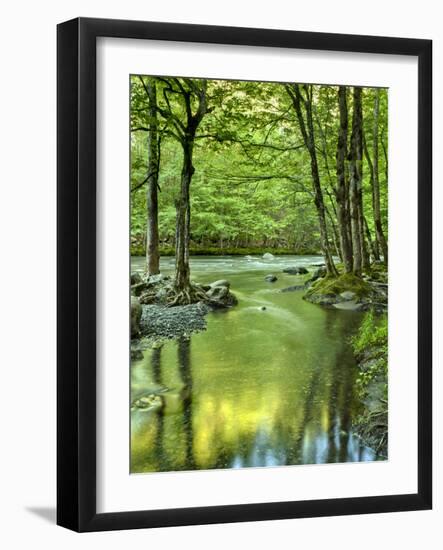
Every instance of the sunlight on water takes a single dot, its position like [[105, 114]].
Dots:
[[257, 388]]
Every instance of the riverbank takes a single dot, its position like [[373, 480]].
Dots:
[[139, 250], [156, 317], [370, 347]]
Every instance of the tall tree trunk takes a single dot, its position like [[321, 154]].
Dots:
[[183, 219], [307, 131], [374, 244], [152, 252], [376, 182], [342, 188], [355, 191]]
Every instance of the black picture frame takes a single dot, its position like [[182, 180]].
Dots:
[[76, 280]]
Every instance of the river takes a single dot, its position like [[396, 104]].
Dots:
[[259, 387]]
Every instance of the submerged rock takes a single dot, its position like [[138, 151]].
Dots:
[[271, 278], [295, 270], [293, 288]]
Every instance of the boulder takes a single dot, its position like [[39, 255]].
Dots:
[[268, 256], [136, 278], [136, 314], [219, 296], [248, 257], [221, 282], [295, 270], [270, 278]]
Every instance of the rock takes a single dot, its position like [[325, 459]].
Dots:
[[136, 314], [270, 278], [136, 278], [318, 265], [350, 305], [348, 295], [295, 270], [202, 286], [222, 283], [220, 296], [263, 308], [148, 402], [293, 288], [268, 256], [159, 278], [248, 257]]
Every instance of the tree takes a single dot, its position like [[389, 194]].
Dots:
[[381, 239], [342, 187], [304, 103], [355, 182], [183, 119], [153, 164]]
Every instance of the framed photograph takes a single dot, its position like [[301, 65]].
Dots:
[[244, 274]]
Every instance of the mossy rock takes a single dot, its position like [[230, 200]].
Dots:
[[328, 290]]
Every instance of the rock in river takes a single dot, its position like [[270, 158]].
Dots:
[[271, 278], [221, 282], [295, 270], [268, 256], [220, 296]]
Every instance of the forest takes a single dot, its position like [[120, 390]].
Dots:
[[249, 167], [258, 199]]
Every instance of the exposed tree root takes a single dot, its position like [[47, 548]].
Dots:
[[185, 296]]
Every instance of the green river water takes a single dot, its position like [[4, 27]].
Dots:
[[257, 388]]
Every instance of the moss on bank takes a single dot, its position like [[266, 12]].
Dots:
[[328, 290], [342, 283], [371, 350]]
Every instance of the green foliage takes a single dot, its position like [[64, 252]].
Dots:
[[371, 342], [373, 332], [252, 182]]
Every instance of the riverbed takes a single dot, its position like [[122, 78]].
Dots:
[[271, 382]]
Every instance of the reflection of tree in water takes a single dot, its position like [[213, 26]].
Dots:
[[184, 368], [159, 436]]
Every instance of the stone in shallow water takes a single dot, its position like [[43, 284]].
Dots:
[[268, 256], [351, 305], [271, 278]]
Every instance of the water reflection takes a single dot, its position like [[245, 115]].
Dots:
[[255, 389]]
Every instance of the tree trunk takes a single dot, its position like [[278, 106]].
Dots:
[[355, 192], [152, 252], [342, 188], [307, 130], [183, 208], [376, 183], [374, 244]]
